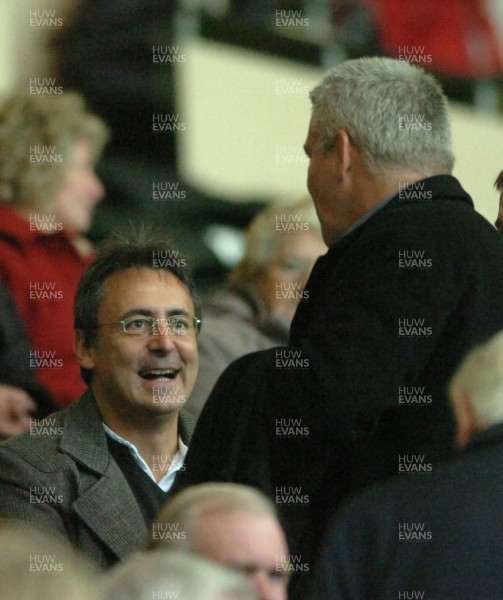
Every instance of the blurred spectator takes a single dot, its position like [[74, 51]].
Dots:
[[255, 311], [436, 534], [460, 38], [48, 191], [355, 27], [174, 575], [232, 524], [498, 184], [34, 566], [124, 58], [106, 52], [21, 397], [16, 410]]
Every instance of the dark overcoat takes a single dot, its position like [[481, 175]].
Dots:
[[389, 312]]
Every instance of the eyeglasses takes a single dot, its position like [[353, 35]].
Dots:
[[174, 326], [293, 267]]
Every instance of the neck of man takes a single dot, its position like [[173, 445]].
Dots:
[[153, 435]]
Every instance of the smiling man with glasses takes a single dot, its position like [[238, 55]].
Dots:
[[99, 472]]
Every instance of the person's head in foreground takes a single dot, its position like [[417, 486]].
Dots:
[[174, 575], [231, 524], [376, 124], [476, 390], [35, 566]]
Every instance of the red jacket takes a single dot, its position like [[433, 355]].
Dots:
[[42, 270]]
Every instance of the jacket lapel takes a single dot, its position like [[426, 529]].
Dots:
[[107, 505], [186, 426], [110, 510]]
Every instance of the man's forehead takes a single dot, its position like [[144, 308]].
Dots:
[[137, 280], [313, 138], [133, 274]]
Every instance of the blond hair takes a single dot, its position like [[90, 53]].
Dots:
[[56, 122]]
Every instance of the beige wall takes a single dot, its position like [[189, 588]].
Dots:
[[22, 46], [236, 122], [243, 138], [6, 47]]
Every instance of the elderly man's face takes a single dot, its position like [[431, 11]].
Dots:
[[252, 543], [283, 279]]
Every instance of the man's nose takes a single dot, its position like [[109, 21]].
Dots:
[[161, 342]]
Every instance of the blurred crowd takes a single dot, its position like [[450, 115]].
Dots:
[[321, 420]]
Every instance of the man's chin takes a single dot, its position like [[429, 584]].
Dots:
[[167, 398]]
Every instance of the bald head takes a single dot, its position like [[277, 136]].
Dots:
[[476, 389], [230, 524]]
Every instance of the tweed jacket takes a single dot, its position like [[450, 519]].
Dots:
[[61, 476]]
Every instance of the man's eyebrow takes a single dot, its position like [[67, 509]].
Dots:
[[178, 311], [146, 312]]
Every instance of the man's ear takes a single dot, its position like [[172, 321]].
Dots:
[[466, 420], [343, 152], [84, 354]]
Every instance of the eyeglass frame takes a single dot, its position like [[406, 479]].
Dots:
[[195, 321]]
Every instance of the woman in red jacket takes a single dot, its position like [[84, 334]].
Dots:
[[49, 145]]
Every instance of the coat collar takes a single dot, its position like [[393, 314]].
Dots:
[[84, 438], [432, 189]]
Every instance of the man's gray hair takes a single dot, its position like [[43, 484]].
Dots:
[[480, 378], [176, 524], [395, 113]]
